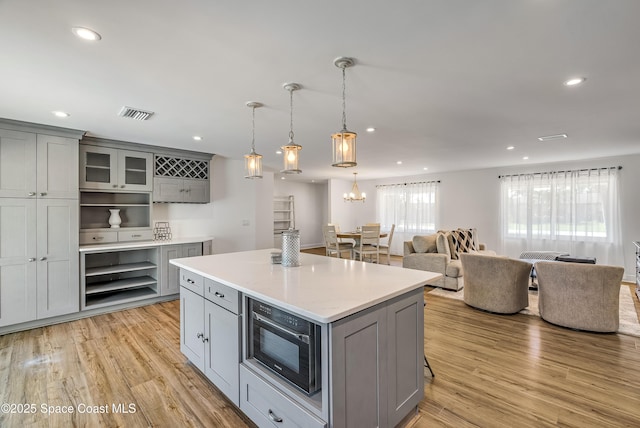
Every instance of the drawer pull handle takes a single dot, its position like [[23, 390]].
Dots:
[[201, 337], [31, 194], [273, 417], [98, 238], [136, 236], [32, 259], [190, 281], [43, 259], [218, 294], [43, 193]]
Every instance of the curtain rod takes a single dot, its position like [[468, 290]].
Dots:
[[561, 172], [405, 184]]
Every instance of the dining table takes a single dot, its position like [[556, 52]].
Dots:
[[356, 236]]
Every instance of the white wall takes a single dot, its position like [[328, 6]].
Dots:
[[239, 216], [472, 199], [310, 201]]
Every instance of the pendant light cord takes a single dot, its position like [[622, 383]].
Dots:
[[253, 129], [344, 102], [291, 117]]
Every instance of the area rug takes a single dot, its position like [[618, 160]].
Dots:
[[628, 318]]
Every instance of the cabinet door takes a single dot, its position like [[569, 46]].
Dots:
[[134, 171], [222, 350], [167, 189], [359, 370], [196, 191], [57, 164], [170, 283], [17, 260], [57, 254], [192, 327], [405, 323], [17, 164], [192, 250], [98, 168]]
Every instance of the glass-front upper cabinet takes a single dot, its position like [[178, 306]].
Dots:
[[105, 168]]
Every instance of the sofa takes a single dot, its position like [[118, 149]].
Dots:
[[439, 253], [580, 296], [495, 283]]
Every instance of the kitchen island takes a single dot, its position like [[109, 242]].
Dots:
[[370, 323]]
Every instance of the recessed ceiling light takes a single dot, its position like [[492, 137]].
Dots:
[[60, 114], [553, 137], [399, 162], [371, 129], [283, 178], [575, 81], [425, 168], [278, 152], [197, 138], [510, 147], [86, 34], [525, 157]]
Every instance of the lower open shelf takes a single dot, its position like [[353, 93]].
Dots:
[[121, 296]]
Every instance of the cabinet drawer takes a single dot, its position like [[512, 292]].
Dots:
[[222, 295], [192, 281], [267, 406], [87, 238], [138, 235]]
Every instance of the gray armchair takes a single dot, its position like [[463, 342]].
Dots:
[[496, 284], [580, 296]]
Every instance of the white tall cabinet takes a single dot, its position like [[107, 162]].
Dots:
[[38, 222]]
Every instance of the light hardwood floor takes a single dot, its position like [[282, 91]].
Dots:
[[491, 371]]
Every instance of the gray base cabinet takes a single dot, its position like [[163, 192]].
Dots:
[[210, 326], [170, 273]]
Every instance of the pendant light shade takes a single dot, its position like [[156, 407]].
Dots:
[[343, 143], [253, 161], [355, 194], [291, 150]]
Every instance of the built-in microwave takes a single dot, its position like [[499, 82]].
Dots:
[[287, 344]]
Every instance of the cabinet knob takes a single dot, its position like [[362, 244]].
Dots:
[[187, 190], [43, 259], [181, 190], [274, 417], [115, 185], [122, 186], [31, 194], [31, 259], [43, 193]]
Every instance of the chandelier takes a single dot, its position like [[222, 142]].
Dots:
[[344, 141], [253, 161], [355, 194], [291, 150]]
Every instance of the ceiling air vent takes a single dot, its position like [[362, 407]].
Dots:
[[134, 113]]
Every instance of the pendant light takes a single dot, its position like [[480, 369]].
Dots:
[[291, 150], [344, 141], [355, 194], [253, 161]]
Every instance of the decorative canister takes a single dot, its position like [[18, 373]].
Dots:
[[291, 248]]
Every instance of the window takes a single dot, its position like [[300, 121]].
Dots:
[[412, 207], [573, 211]]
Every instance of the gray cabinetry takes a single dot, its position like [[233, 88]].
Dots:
[[38, 223], [210, 325], [179, 179], [107, 168], [111, 277], [171, 273]]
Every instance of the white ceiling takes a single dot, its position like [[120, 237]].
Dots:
[[448, 84]]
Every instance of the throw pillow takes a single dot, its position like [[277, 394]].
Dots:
[[424, 244], [462, 241], [452, 245], [474, 238]]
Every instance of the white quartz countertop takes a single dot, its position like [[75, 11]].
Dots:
[[141, 244], [322, 289]]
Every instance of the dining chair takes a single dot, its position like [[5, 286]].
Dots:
[[385, 249], [369, 243], [331, 243]]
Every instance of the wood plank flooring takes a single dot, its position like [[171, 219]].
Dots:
[[491, 371]]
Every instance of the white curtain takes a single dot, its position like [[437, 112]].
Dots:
[[570, 211], [412, 207]]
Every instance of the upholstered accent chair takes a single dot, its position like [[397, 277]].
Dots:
[[496, 284], [438, 253], [580, 296]]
